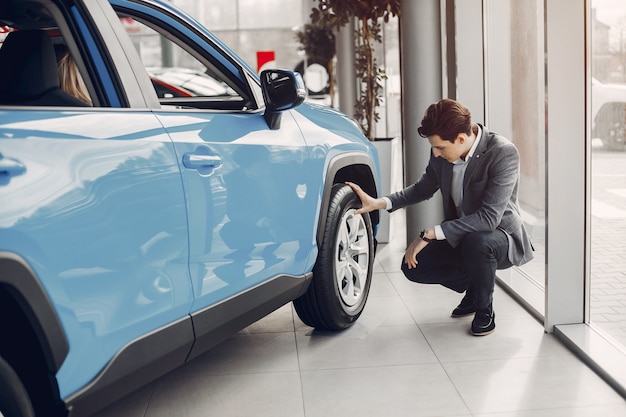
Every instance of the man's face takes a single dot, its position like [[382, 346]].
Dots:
[[448, 150]]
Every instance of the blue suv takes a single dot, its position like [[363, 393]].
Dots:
[[157, 195]]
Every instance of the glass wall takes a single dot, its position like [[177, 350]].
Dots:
[[515, 94], [607, 305], [250, 26], [518, 93]]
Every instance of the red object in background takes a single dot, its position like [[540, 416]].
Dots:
[[4, 31], [264, 58]]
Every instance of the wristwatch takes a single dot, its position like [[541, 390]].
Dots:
[[423, 236]]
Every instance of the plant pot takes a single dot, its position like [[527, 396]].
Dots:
[[390, 178]]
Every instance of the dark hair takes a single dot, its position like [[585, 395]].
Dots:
[[446, 118]]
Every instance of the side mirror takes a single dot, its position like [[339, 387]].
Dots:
[[282, 90]]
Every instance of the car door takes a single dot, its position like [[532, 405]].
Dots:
[[250, 214], [92, 199]]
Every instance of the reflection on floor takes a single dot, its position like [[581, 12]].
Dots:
[[404, 357]]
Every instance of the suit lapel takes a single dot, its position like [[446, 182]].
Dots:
[[446, 179], [477, 158]]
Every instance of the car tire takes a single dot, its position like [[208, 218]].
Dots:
[[14, 399], [343, 271]]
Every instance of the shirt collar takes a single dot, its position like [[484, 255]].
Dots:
[[479, 134]]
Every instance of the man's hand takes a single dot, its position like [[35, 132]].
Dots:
[[411, 252], [368, 203], [416, 247]]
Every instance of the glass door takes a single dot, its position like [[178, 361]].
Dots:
[[607, 285], [515, 107]]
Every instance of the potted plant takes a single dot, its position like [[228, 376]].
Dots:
[[318, 43], [334, 14]]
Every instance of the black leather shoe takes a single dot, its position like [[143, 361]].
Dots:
[[465, 308], [484, 322]]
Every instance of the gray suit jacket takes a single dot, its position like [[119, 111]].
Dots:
[[489, 195]]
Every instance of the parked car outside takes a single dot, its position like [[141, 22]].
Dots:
[[139, 231], [194, 83], [608, 110]]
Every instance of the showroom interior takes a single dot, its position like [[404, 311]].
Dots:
[[547, 74]]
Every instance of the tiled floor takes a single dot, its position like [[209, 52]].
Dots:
[[404, 357]]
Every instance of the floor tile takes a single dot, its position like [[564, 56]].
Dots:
[[384, 346], [244, 354], [506, 307], [593, 411], [434, 309], [398, 391], [391, 311], [515, 338], [276, 394], [279, 321], [133, 405], [405, 288], [508, 385], [381, 286]]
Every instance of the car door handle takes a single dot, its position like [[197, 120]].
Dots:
[[203, 159], [193, 161]]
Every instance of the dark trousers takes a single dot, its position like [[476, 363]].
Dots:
[[470, 266]]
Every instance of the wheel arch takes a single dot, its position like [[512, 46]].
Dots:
[[354, 167], [34, 329]]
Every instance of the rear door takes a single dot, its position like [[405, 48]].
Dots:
[[92, 198]]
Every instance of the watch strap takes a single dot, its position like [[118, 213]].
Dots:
[[423, 236]]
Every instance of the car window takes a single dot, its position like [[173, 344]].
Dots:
[[39, 69], [180, 75]]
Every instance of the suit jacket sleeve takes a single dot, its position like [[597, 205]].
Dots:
[[422, 190]]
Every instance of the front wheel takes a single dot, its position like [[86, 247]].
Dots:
[[343, 271], [14, 399]]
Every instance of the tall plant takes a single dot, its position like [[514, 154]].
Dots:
[[368, 14], [318, 43]]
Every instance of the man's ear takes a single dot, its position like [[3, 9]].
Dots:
[[461, 138]]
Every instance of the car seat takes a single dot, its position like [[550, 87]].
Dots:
[[29, 75]]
